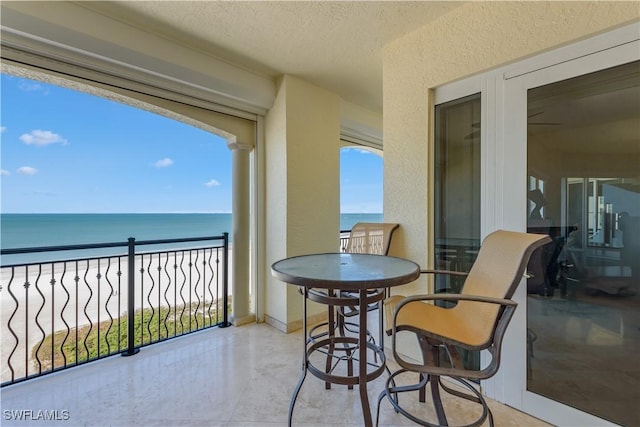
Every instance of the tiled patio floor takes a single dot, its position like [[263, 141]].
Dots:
[[238, 376]]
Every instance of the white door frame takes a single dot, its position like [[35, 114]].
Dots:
[[503, 187]]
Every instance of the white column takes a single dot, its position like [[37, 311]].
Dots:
[[240, 234]]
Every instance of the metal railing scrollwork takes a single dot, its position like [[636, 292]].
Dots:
[[94, 301]]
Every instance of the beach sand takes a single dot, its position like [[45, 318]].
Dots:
[[55, 300]]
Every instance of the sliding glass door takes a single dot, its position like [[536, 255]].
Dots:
[[583, 308], [552, 145], [576, 136]]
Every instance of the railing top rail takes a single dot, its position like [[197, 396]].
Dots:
[[190, 239], [14, 251]]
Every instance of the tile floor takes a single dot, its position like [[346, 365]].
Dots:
[[237, 376]]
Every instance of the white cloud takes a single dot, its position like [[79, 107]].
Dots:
[[164, 163], [356, 150], [27, 170], [42, 138], [212, 183], [30, 86], [2, 129], [4, 172]]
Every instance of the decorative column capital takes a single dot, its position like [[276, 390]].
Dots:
[[235, 145]]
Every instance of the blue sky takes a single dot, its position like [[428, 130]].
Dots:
[[65, 151], [360, 181]]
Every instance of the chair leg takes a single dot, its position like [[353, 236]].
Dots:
[[331, 331], [424, 348], [434, 380], [422, 393], [431, 353], [437, 401], [391, 391], [431, 357]]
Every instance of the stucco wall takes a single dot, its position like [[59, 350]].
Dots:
[[302, 202], [276, 203], [473, 38]]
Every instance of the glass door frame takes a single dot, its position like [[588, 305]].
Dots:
[[504, 183], [512, 376]]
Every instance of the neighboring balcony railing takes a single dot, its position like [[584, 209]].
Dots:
[[79, 308]]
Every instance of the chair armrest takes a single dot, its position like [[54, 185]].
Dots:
[[509, 307], [454, 297], [447, 272]]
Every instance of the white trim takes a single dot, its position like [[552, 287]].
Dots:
[[359, 141], [621, 36], [458, 89], [560, 414]]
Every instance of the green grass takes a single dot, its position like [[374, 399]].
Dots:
[[110, 337]]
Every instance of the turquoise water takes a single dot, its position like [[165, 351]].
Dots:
[[347, 220], [36, 230], [31, 230]]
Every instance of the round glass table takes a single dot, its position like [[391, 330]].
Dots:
[[322, 277]]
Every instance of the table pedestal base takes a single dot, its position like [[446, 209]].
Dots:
[[342, 349]]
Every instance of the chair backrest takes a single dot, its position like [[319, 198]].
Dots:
[[496, 273], [371, 238]]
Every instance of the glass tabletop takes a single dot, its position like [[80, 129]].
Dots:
[[345, 271]]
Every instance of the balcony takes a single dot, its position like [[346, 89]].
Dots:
[[211, 377], [216, 377]]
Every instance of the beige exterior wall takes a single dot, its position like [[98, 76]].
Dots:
[[302, 157], [470, 39]]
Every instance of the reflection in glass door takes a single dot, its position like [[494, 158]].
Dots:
[[457, 195], [583, 303]]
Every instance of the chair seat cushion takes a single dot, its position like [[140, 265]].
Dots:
[[448, 323]]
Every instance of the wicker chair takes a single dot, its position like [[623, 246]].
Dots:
[[478, 321]]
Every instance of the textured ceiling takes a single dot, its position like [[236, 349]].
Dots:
[[333, 44]]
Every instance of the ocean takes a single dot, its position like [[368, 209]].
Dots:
[[36, 230]]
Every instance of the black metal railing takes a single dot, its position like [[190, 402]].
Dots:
[[66, 312]]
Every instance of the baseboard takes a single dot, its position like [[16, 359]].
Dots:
[[251, 318], [296, 324]]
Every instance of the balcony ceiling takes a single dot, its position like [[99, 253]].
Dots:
[[335, 45]]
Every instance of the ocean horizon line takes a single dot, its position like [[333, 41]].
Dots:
[[153, 213], [65, 229]]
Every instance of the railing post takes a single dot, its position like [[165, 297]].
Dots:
[[131, 258], [225, 284]]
